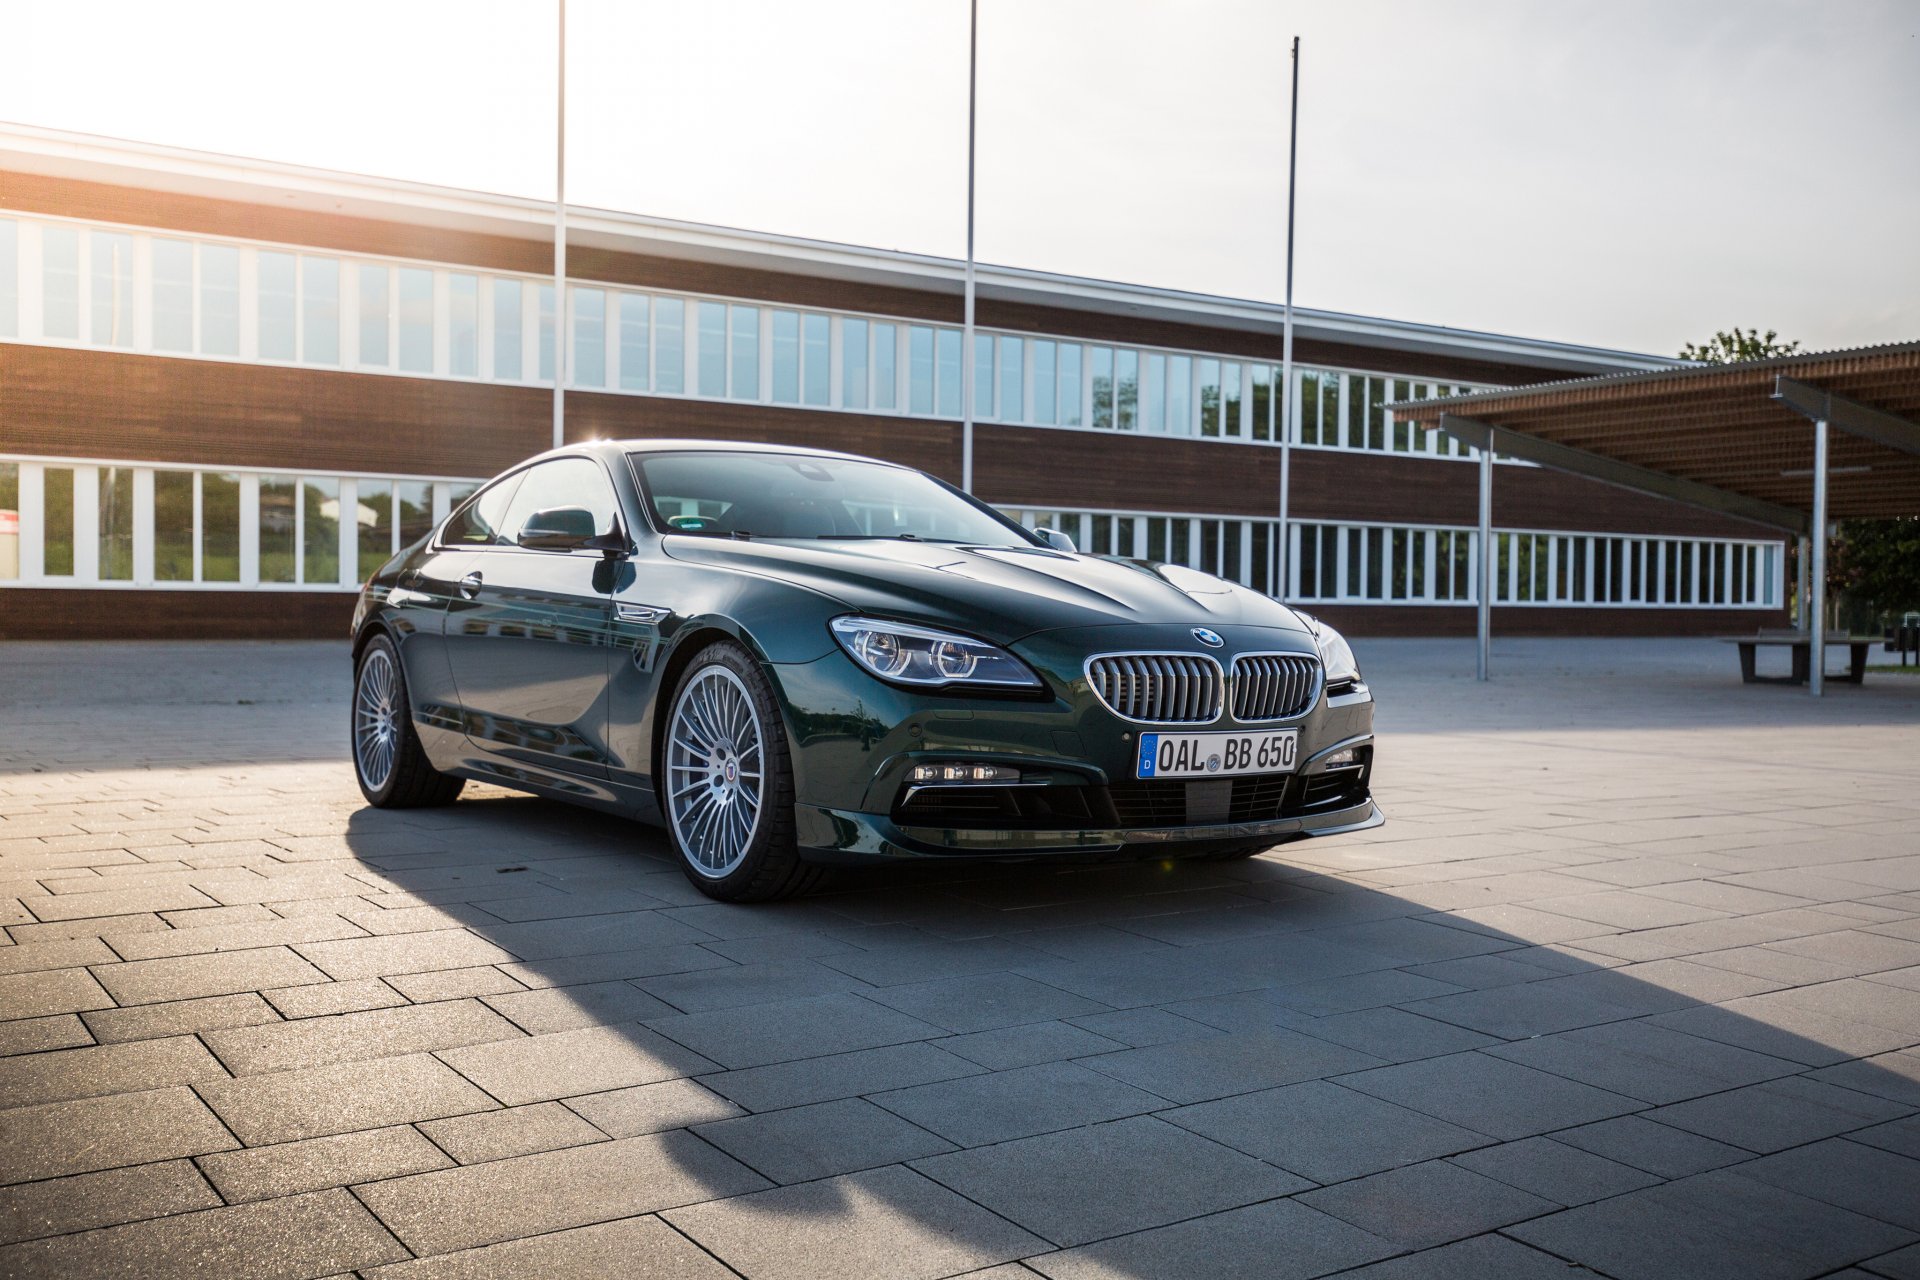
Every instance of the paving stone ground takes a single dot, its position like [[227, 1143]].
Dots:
[[1629, 985]]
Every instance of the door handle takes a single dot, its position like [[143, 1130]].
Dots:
[[470, 586]]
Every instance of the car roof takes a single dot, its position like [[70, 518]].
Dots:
[[655, 445]]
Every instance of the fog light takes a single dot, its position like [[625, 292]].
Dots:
[[962, 771], [1341, 758]]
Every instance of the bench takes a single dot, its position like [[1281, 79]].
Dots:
[[1802, 646]]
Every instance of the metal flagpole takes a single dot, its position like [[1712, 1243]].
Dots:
[[1282, 576], [966, 344], [560, 334], [1817, 599]]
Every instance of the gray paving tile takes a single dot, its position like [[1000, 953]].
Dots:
[[322, 999], [289, 1168], [1516, 1012], [1490, 1095], [310, 1235], [375, 1033], [733, 986], [652, 1108], [571, 1008], [1104, 1180], [1322, 1131], [113, 902], [978, 1109], [841, 1075], [104, 1199], [37, 1035], [178, 1018], [103, 1069], [1867, 1180], [271, 932], [1427, 1204], [400, 953], [502, 1199], [1901, 1264], [64, 953], [1488, 1257], [761, 1034], [614, 966], [217, 974], [289, 1105], [981, 1002], [1278, 1240], [884, 1224], [1217, 1066], [453, 984], [1899, 1136], [1394, 1035], [590, 935], [87, 1134], [1555, 1171], [566, 1063], [1140, 1028], [1778, 1114], [634, 1248], [1894, 1076], [516, 1131], [819, 1141], [1656, 1148], [1029, 1045], [1645, 1061], [27, 995], [932, 957]]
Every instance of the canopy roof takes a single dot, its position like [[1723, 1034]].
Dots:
[[1733, 438]]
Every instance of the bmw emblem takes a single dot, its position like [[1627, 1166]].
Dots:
[[1211, 639]]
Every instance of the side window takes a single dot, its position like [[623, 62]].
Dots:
[[564, 482], [478, 523]]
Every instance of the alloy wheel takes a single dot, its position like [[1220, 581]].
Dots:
[[376, 724], [715, 771]]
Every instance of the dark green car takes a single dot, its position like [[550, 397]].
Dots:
[[792, 659]]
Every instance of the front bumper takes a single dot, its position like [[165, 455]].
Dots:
[[836, 836]]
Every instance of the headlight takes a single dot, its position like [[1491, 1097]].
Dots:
[[906, 654], [1336, 655]]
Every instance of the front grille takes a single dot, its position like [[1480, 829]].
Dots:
[[1158, 688], [1274, 686], [981, 807]]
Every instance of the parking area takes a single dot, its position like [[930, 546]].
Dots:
[[1629, 982]]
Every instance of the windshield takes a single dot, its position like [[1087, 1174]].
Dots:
[[779, 495]]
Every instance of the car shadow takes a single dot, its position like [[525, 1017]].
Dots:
[[1168, 1068]]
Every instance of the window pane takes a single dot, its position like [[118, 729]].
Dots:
[[375, 519], [506, 329], [545, 302], [320, 554], [786, 357], [1012, 380], [60, 283], [1330, 409], [1180, 395], [416, 320], [670, 345], [1261, 407], [589, 338], [744, 380], [220, 300], [9, 521], [373, 315], [886, 378], [219, 527], [116, 524], [173, 526], [463, 325], [112, 288], [172, 295], [1069, 384], [1153, 393], [816, 351], [416, 510], [713, 349], [949, 345], [276, 528], [9, 278], [320, 310], [635, 358], [57, 522], [276, 306], [983, 406], [1100, 376], [1209, 397], [1230, 424], [564, 482], [853, 363], [1046, 392]]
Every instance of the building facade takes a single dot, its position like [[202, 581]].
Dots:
[[230, 390]]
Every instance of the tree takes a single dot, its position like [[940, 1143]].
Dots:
[[1877, 562], [1730, 348]]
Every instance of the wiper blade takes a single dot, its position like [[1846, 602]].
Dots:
[[881, 537]]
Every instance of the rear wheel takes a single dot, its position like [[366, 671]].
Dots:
[[388, 761], [727, 784]]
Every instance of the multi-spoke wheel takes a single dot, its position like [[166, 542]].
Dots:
[[727, 781], [392, 768]]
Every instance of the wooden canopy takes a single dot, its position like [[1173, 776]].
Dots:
[[1735, 438]]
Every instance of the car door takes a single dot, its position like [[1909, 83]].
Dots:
[[528, 631]]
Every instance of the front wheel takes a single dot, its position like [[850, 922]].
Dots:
[[727, 782], [388, 760]]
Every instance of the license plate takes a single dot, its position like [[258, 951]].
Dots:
[[1216, 755]]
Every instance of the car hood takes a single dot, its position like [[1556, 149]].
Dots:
[[997, 593]]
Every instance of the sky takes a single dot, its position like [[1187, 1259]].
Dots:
[[1635, 174]]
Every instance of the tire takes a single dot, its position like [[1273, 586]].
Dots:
[[726, 788], [388, 761]]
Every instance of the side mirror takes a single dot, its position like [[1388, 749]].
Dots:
[[1057, 540], [558, 529]]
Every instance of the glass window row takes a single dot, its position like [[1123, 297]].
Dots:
[[66, 282]]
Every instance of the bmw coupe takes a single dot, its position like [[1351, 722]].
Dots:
[[792, 659]]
